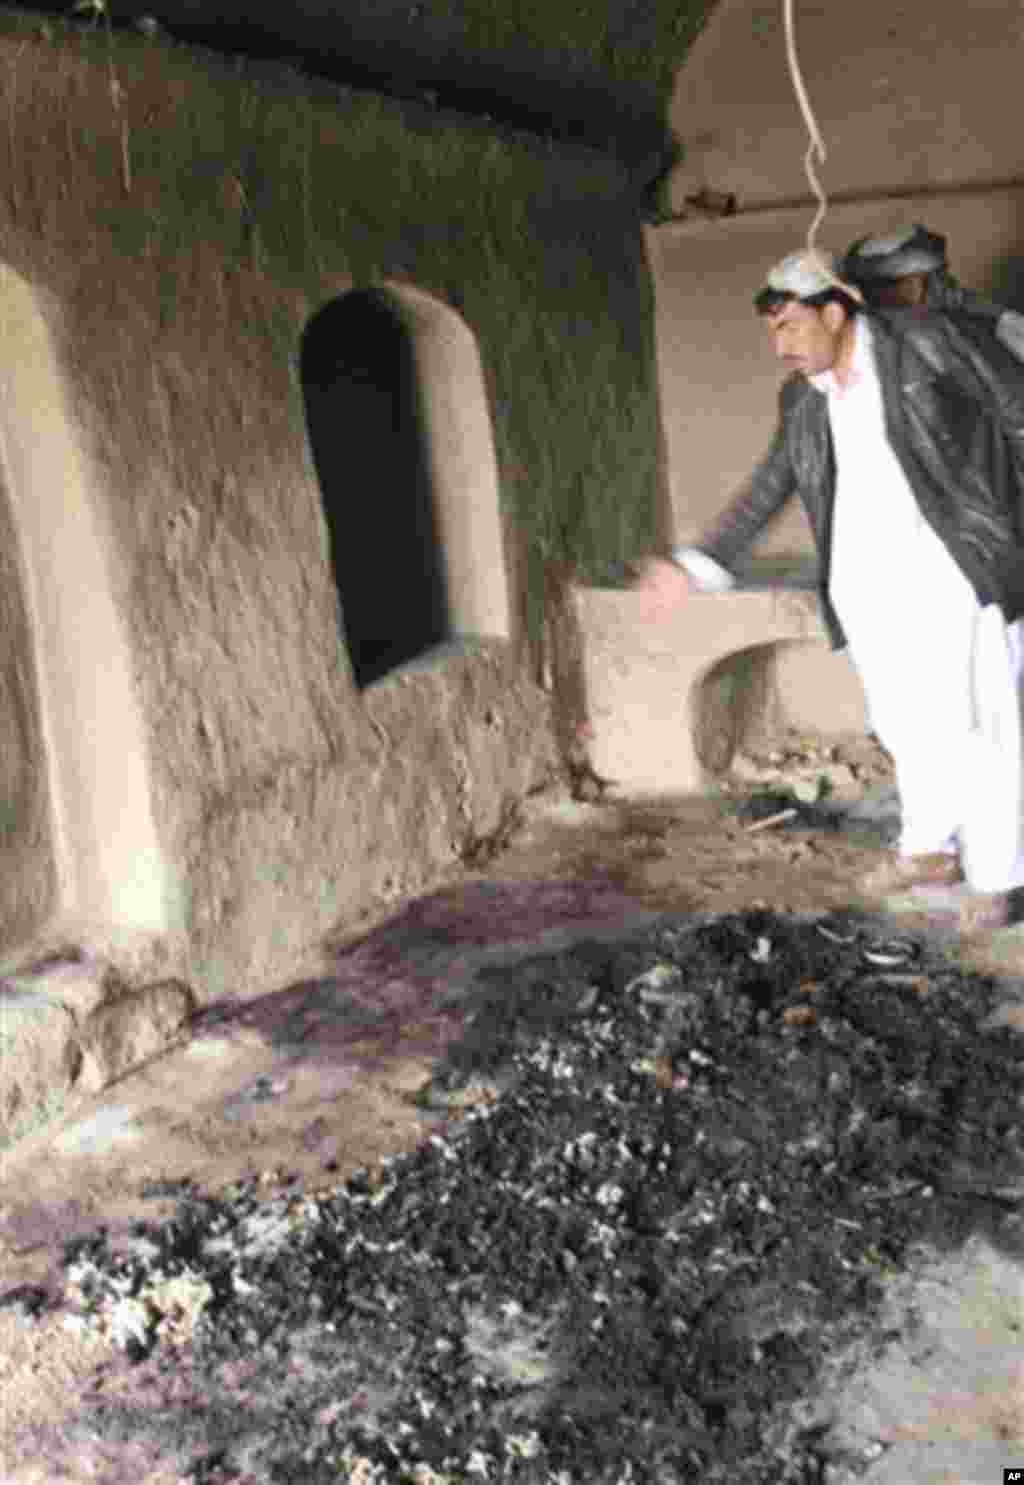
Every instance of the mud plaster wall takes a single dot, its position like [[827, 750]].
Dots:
[[277, 800], [73, 697], [28, 878], [176, 233], [449, 742], [284, 800], [293, 800], [288, 800]]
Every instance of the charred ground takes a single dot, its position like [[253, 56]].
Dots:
[[675, 1176]]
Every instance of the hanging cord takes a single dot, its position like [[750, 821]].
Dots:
[[815, 151], [816, 147]]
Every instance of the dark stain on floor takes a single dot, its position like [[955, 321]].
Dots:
[[711, 1143]]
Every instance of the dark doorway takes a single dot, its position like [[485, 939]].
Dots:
[[369, 445]]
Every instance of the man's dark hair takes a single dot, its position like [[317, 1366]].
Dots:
[[767, 300]]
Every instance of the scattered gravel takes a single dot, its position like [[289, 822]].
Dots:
[[674, 1177]]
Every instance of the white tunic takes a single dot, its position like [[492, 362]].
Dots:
[[940, 674]]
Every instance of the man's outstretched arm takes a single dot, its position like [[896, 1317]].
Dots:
[[704, 565]]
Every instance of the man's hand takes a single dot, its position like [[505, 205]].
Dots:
[[664, 587]]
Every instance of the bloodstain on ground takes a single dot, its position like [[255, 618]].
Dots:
[[404, 983]]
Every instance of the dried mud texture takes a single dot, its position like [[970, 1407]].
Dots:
[[29, 881], [676, 1174]]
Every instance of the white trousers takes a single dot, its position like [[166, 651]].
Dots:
[[944, 694]]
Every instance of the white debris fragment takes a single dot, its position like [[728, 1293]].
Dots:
[[444, 1147], [653, 980], [523, 1446], [609, 1195], [604, 1237], [124, 1321], [179, 1301]]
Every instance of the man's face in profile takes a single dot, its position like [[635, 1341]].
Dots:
[[806, 338]]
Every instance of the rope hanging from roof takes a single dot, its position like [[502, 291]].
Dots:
[[816, 153], [816, 146]]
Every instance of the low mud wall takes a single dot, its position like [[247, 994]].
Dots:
[[446, 747]]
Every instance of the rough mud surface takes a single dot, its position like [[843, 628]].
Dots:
[[674, 1174]]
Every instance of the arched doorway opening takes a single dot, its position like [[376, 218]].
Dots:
[[398, 426]]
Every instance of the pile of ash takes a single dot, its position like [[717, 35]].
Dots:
[[674, 1177]]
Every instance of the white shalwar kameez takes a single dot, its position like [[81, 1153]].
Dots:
[[941, 674]]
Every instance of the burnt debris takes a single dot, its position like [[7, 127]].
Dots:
[[673, 1179]]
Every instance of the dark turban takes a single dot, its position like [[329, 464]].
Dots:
[[894, 255]]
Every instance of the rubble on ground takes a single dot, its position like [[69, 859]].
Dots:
[[811, 768]]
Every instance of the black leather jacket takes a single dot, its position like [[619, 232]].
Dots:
[[954, 411]]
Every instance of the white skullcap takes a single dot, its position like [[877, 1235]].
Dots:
[[803, 274]]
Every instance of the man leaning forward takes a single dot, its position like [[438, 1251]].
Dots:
[[903, 435]]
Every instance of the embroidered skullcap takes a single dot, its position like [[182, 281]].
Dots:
[[803, 275], [912, 249]]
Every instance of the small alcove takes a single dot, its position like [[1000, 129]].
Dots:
[[400, 434]]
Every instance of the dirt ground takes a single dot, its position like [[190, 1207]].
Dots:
[[355, 1102]]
